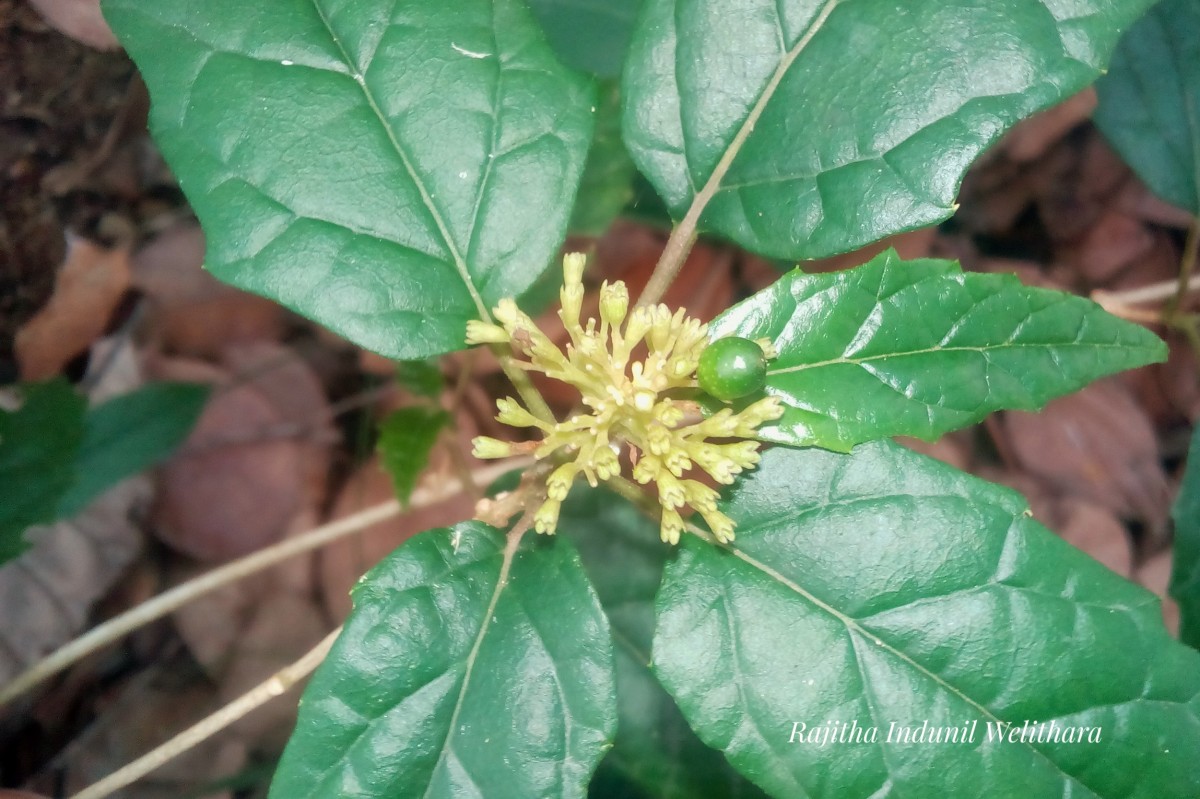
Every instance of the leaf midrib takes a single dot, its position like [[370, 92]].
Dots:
[[711, 186], [930, 350], [460, 263], [509, 555], [852, 624]]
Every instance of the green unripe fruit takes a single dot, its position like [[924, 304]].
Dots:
[[732, 367]]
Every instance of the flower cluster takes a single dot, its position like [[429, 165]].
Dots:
[[632, 400]]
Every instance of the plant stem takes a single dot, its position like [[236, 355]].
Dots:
[[684, 235], [674, 255], [1187, 265], [276, 685], [525, 388], [458, 460], [175, 598]]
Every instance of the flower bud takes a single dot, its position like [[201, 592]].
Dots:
[[546, 518], [485, 333], [671, 525], [559, 483], [486, 448], [614, 303], [514, 415], [573, 263]]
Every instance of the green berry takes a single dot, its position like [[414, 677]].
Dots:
[[732, 367]]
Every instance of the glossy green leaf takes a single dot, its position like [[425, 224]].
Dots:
[[919, 348], [389, 170], [655, 752], [128, 434], [1185, 563], [883, 588], [38, 445], [607, 183], [591, 35], [406, 437], [1150, 101], [457, 678], [811, 127]]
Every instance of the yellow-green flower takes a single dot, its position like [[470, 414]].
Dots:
[[632, 401]]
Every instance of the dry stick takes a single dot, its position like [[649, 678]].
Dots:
[[684, 235], [1155, 292], [168, 601], [276, 685]]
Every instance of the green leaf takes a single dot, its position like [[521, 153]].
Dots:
[[458, 677], [38, 445], [920, 348], [128, 434], [607, 183], [406, 437], [809, 128], [883, 587], [1185, 562], [423, 378], [389, 170], [1150, 101], [654, 750], [591, 35]]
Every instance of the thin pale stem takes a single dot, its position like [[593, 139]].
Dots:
[[458, 459], [276, 685], [1154, 292], [119, 626], [1187, 265]]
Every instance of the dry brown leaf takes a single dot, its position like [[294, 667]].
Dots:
[[1155, 575], [279, 631], [192, 312], [994, 195], [1180, 380], [1032, 137], [88, 288], [74, 563], [952, 449], [294, 391], [1113, 243], [70, 566], [212, 624], [1138, 201], [156, 704], [1094, 530], [229, 490], [1074, 185], [1159, 263], [1098, 444], [1028, 272], [79, 19], [1041, 497]]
